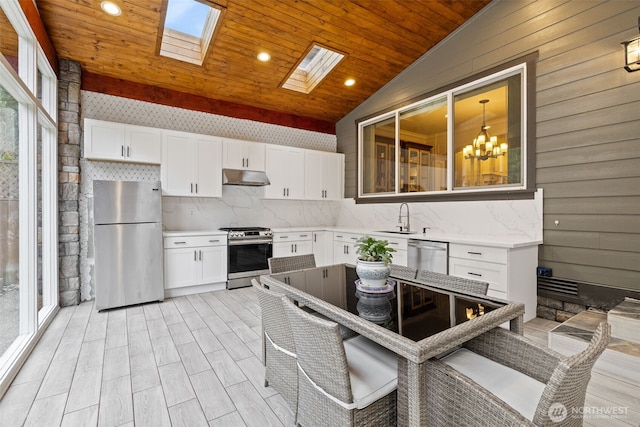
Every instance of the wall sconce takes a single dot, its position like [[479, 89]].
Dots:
[[632, 52]]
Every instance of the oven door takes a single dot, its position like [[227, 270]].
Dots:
[[247, 259]]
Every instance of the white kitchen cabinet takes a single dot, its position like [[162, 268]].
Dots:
[[293, 243], [121, 142], [322, 244], [194, 260], [191, 165], [324, 175], [285, 169], [400, 256], [245, 155], [510, 272], [344, 249]]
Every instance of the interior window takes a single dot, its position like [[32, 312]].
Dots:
[[487, 135]]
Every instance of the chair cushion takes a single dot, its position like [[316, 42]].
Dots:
[[516, 389], [372, 368]]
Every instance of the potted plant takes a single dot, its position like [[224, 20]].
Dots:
[[374, 257]]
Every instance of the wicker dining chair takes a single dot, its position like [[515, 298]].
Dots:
[[503, 379], [341, 383], [278, 349], [402, 272], [452, 283], [291, 263]]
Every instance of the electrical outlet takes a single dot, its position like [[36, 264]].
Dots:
[[544, 272]]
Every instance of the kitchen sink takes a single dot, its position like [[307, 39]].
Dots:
[[395, 232]]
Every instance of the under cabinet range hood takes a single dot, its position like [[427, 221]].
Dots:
[[244, 177]]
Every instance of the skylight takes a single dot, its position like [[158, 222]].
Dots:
[[313, 68], [188, 28]]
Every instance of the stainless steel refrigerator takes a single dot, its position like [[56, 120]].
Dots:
[[127, 243]]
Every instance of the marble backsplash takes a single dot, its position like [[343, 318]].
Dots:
[[243, 206]]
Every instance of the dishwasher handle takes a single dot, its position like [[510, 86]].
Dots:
[[426, 245]]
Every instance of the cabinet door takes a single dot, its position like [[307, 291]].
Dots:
[[213, 260], [180, 268], [322, 246], [177, 165], [302, 247], [285, 169], [255, 156], [314, 175], [333, 176], [344, 253], [234, 154], [103, 140], [281, 249], [209, 166], [143, 144]]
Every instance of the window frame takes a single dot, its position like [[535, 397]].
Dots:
[[525, 190], [32, 113]]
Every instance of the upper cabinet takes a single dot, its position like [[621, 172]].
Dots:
[[191, 165], [285, 169], [121, 142], [324, 175], [240, 154]]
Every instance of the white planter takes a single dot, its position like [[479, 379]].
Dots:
[[373, 274]]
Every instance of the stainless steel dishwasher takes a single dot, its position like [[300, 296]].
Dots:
[[428, 255]]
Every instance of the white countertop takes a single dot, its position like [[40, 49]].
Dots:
[[193, 233], [468, 239]]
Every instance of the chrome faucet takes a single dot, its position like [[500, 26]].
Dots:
[[406, 226]]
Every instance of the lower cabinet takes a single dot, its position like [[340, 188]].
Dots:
[[322, 243], [194, 260], [399, 244], [290, 244], [510, 272], [344, 247]]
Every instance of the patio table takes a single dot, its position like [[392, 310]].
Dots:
[[425, 321]]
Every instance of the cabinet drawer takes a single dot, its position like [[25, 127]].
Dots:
[[479, 253], [494, 274], [346, 237], [191, 241], [292, 237], [397, 243]]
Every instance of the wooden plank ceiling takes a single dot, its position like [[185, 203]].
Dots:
[[380, 39]]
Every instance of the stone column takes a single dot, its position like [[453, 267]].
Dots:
[[69, 137]]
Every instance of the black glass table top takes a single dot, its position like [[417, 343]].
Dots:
[[414, 310]]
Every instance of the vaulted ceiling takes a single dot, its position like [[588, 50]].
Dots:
[[380, 39]]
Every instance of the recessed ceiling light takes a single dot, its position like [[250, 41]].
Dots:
[[349, 82], [111, 8], [264, 56]]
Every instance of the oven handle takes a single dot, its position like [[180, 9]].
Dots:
[[250, 242]]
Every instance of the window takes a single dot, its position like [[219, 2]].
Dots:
[[188, 29], [28, 193], [314, 67], [468, 139]]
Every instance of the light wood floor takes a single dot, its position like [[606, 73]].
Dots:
[[189, 361]]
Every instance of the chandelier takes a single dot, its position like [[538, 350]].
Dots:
[[484, 146]]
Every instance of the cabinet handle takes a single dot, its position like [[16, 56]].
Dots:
[[474, 253], [296, 247], [292, 248], [340, 237], [284, 192], [314, 237], [195, 255], [287, 192], [179, 243], [128, 154], [284, 237], [196, 188], [191, 187], [122, 150], [247, 162], [474, 274], [200, 253], [214, 241], [304, 235]]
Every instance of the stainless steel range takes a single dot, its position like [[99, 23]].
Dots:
[[248, 254]]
